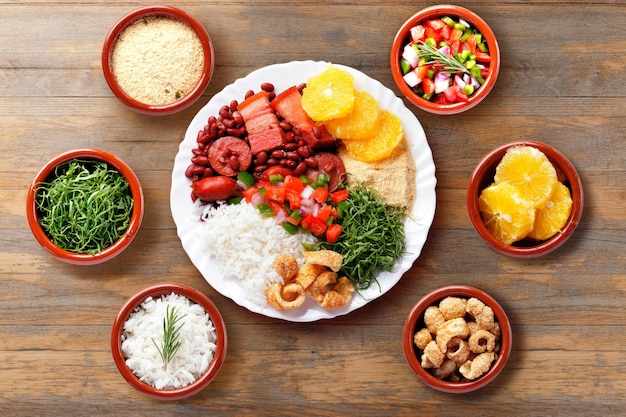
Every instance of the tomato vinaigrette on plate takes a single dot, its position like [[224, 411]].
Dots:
[[445, 60]]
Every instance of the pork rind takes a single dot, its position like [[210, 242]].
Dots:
[[314, 279], [477, 367], [453, 307], [460, 340], [433, 319], [422, 338]]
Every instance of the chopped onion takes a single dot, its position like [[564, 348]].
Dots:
[[257, 199], [307, 191], [412, 79], [242, 185], [458, 80], [464, 22], [445, 50], [442, 81], [410, 54], [306, 206]]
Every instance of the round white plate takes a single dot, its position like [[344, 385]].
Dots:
[[284, 76]]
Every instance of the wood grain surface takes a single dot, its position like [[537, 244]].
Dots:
[[561, 82]]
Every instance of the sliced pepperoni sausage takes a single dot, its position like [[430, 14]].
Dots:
[[331, 164], [229, 156]]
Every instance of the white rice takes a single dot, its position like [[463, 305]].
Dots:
[[197, 337], [244, 244]]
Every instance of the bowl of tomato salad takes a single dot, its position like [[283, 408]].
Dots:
[[445, 59]]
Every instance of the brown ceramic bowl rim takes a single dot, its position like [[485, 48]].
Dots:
[[432, 298], [155, 291], [478, 181], [438, 11], [158, 11], [117, 247]]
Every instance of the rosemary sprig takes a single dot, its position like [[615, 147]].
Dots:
[[434, 56], [171, 332]]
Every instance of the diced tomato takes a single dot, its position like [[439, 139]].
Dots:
[[333, 232], [293, 198], [320, 195], [484, 72], [339, 196], [293, 220], [428, 85], [275, 193], [276, 206], [445, 32], [421, 71], [317, 227], [450, 93], [441, 99], [482, 56], [248, 193], [471, 43], [435, 24], [455, 35], [434, 34], [294, 183], [461, 96], [327, 212]]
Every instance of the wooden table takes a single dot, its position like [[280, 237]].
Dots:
[[561, 81]]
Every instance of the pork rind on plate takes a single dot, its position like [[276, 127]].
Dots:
[[460, 339]]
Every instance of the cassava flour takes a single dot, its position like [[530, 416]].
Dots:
[[157, 60], [143, 332]]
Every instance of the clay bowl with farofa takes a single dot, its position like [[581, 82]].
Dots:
[[158, 60]]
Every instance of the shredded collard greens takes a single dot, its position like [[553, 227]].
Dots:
[[373, 237], [85, 206]]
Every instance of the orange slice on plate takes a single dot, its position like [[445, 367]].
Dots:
[[362, 122], [382, 144], [329, 95]]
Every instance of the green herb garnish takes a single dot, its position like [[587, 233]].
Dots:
[[85, 206], [433, 56], [171, 332], [373, 236]]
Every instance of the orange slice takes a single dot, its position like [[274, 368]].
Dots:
[[328, 95], [506, 213], [382, 144], [550, 219], [362, 122], [529, 170]]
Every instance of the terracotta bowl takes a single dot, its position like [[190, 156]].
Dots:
[[32, 214], [156, 291], [158, 11], [403, 36], [483, 176], [415, 322]]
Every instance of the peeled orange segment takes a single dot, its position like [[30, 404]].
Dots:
[[362, 122], [530, 170], [382, 144], [550, 219], [506, 213], [329, 95]]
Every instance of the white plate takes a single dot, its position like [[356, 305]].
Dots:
[[284, 76]]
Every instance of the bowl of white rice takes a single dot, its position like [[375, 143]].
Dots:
[[169, 341]]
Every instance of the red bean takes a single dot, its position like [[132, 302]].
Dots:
[[300, 169], [277, 154], [200, 160], [268, 87], [233, 105]]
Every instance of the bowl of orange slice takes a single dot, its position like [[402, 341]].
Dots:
[[525, 199]]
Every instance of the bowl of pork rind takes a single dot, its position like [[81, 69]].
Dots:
[[457, 339]]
